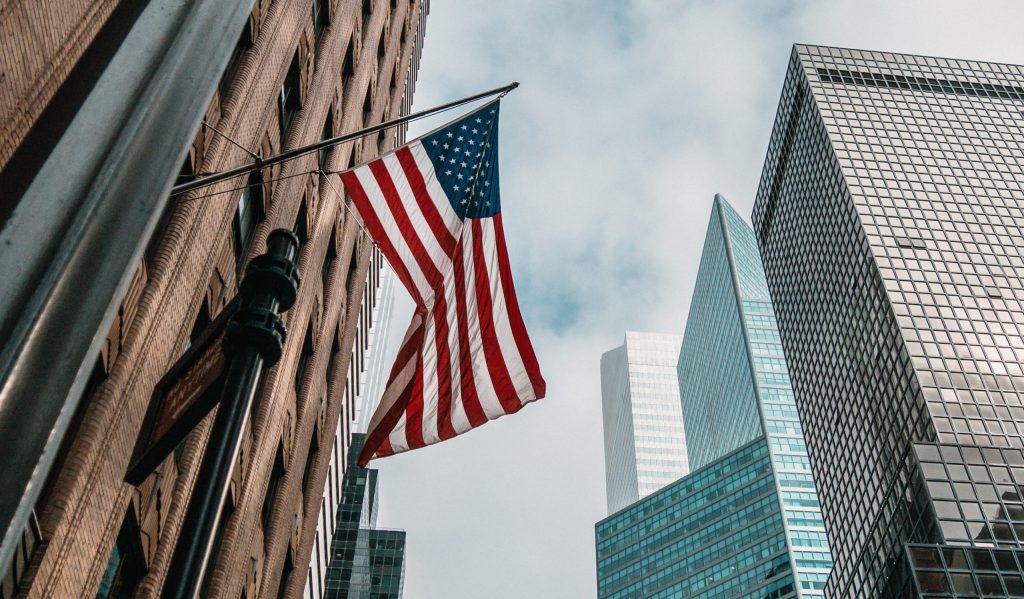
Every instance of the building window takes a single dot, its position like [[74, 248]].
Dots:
[[367, 106], [301, 226], [352, 268], [286, 575], [329, 259], [244, 43], [321, 18], [248, 212], [307, 353], [314, 450], [199, 324], [268, 500], [126, 565], [327, 133], [290, 99], [348, 66]]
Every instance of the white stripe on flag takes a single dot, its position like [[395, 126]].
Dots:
[[481, 375], [499, 314]]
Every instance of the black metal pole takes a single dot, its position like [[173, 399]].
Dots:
[[309, 149], [254, 339]]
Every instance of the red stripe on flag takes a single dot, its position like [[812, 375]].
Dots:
[[496, 364], [419, 252], [470, 399], [445, 430], [414, 426], [515, 317], [378, 435], [372, 224], [414, 410], [424, 201]]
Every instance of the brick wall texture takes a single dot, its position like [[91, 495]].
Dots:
[[193, 265]]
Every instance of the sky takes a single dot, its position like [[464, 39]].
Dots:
[[630, 117]]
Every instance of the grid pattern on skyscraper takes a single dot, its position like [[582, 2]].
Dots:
[[715, 534], [889, 218], [645, 445], [734, 377], [657, 417]]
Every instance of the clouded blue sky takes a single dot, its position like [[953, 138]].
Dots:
[[631, 115]]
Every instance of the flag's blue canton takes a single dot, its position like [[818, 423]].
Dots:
[[465, 158]]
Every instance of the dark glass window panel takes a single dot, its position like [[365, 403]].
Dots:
[[992, 455], [1014, 585], [126, 564], [243, 44], [941, 490], [953, 529], [946, 509], [981, 559], [956, 559], [1005, 561], [329, 259], [934, 471], [1002, 531], [965, 491], [247, 214], [990, 586], [301, 226], [993, 511], [963, 584], [950, 453], [327, 133], [1001, 474], [933, 582], [304, 357], [321, 18], [268, 500], [972, 511], [986, 492], [925, 557], [1014, 457], [289, 100], [958, 472], [972, 455]]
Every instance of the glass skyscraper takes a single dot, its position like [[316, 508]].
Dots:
[[365, 562], [746, 522], [644, 443], [889, 217]]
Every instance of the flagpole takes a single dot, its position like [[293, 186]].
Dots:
[[325, 143]]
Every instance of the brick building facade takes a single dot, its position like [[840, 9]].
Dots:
[[302, 70]]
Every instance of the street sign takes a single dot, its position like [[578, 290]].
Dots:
[[182, 398]]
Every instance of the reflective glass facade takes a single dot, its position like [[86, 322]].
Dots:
[[889, 218], [365, 562], [362, 392], [746, 522], [734, 384], [717, 533], [644, 443]]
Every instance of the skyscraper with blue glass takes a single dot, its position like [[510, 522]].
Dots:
[[746, 521]]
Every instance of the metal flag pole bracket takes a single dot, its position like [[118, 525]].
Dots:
[[326, 143], [253, 341]]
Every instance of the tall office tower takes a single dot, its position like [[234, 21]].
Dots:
[[745, 522], [366, 362], [292, 72], [644, 444], [366, 562], [889, 221]]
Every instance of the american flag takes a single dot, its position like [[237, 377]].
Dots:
[[433, 208]]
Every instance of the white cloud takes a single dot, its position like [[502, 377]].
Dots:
[[630, 117]]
